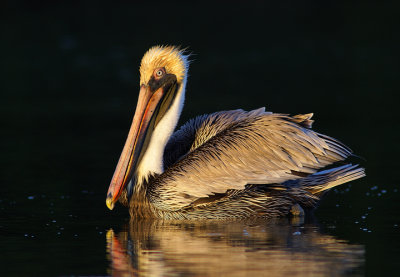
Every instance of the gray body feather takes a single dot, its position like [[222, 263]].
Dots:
[[243, 164]]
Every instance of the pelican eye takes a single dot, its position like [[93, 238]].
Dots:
[[159, 72]]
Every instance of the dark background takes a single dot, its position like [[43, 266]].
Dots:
[[69, 82]]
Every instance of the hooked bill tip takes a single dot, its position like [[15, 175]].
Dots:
[[109, 202], [110, 234]]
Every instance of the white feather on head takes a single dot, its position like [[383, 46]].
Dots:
[[171, 58]]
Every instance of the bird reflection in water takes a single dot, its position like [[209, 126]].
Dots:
[[231, 248]]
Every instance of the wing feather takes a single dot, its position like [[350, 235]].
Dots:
[[234, 148]]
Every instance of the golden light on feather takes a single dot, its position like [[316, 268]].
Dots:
[[221, 165]]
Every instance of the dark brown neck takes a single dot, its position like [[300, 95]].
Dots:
[[139, 204]]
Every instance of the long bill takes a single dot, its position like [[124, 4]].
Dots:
[[146, 111]]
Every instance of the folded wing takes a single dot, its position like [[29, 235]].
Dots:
[[212, 154]]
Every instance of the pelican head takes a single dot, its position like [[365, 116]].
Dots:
[[163, 72]]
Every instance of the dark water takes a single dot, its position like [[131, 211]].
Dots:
[[69, 83]]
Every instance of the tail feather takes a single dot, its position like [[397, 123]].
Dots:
[[321, 181]]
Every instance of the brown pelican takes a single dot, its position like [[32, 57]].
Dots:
[[223, 165]]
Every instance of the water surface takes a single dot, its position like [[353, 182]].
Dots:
[[236, 248]]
